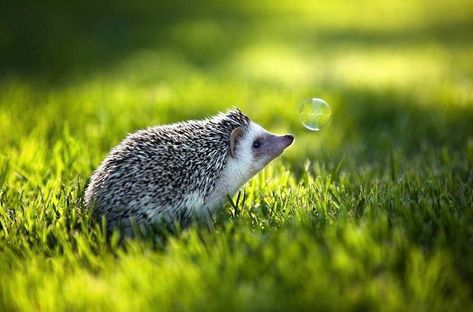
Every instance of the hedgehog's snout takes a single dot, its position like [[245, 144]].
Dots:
[[277, 144], [289, 138], [285, 141]]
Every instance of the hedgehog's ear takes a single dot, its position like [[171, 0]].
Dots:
[[237, 133]]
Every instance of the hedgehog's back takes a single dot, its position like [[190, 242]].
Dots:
[[152, 173]]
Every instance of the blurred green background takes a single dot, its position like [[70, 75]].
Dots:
[[374, 212]]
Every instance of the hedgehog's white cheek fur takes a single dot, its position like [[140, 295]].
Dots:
[[237, 171]]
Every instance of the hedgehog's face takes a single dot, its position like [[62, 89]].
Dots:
[[256, 147]]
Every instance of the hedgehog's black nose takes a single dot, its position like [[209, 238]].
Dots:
[[289, 137]]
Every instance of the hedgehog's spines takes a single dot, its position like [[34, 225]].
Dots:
[[239, 117], [163, 170]]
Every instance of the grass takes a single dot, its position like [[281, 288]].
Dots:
[[375, 212]]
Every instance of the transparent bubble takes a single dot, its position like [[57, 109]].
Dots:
[[315, 114]]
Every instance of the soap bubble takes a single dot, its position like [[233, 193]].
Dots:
[[315, 114]]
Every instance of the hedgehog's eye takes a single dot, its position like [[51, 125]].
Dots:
[[256, 144]]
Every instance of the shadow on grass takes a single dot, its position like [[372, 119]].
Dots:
[[54, 39], [380, 116], [449, 33]]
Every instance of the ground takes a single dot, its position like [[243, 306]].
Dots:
[[375, 212]]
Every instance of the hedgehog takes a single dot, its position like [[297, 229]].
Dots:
[[180, 171]]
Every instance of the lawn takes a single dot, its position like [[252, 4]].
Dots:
[[374, 212]]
